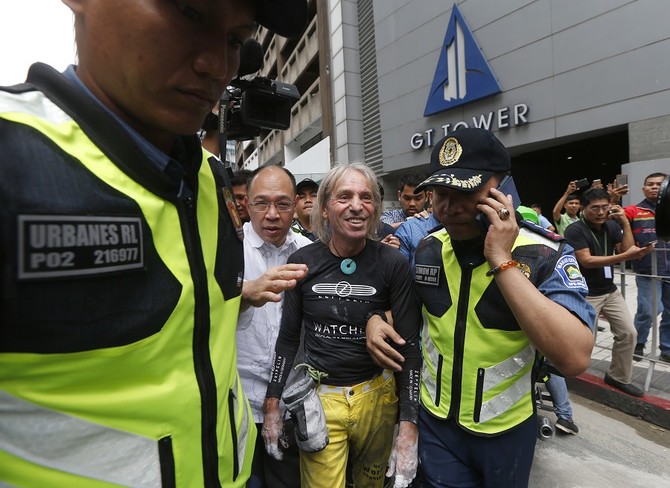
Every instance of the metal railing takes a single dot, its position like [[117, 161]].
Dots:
[[654, 355]]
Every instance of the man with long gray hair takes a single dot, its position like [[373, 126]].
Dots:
[[350, 277]]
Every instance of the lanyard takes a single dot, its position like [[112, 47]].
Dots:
[[603, 251]]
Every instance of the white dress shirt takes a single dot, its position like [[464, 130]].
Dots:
[[258, 327]]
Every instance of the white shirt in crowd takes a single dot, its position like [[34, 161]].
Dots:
[[257, 328]]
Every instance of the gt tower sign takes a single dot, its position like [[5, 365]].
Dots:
[[462, 74]]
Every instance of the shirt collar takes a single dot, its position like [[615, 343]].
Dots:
[[257, 242], [156, 155]]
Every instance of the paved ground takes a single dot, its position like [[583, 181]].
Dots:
[[612, 449], [650, 373]]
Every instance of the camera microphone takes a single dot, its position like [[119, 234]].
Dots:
[[251, 57]]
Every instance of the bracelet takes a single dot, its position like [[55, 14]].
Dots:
[[381, 313], [507, 265]]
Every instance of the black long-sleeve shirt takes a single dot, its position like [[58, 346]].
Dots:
[[331, 307]]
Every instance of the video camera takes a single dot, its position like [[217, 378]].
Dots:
[[260, 103], [249, 106]]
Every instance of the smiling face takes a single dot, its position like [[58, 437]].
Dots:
[[457, 210], [271, 185], [350, 209], [161, 66]]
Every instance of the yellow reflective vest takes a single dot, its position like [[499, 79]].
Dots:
[[120, 300], [477, 362]]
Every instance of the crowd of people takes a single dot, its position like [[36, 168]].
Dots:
[[603, 234], [282, 217], [166, 323]]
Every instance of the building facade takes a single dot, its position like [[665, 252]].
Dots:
[[574, 89]]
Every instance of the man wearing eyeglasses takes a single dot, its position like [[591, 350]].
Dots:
[[268, 242], [602, 238]]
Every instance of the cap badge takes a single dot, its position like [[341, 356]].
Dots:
[[451, 151]]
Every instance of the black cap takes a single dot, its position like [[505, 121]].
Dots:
[[306, 182], [466, 159], [287, 18]]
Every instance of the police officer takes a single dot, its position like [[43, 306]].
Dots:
[[493, 296], [121, 268]]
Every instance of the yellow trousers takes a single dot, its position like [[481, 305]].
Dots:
[[360, 420]]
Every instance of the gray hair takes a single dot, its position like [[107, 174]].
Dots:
[[320, 225]]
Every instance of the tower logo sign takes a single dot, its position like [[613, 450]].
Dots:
[[462, 74]]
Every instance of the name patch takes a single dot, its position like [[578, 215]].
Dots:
[[52, 246], [427, 275]]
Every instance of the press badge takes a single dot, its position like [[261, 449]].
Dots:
[[608, 272]]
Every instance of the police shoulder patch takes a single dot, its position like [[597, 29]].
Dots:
[[568, 269]]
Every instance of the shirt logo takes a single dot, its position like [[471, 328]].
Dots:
[[568, 269], [344, 289], [462, 74], [51, 246]]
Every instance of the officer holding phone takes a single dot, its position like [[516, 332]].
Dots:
[[493, 297]]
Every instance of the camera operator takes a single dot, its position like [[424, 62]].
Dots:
[[121, 268]]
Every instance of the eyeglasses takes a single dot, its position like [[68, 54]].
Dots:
[[598, 208], [283, 206]]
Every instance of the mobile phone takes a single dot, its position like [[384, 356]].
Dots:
[[595, 183], [508, 187], [621, 180], [583, 183]]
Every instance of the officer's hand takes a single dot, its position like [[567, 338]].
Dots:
[[404, 455], [377, 335], [267, 288], [272, 427], [503, 230]]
